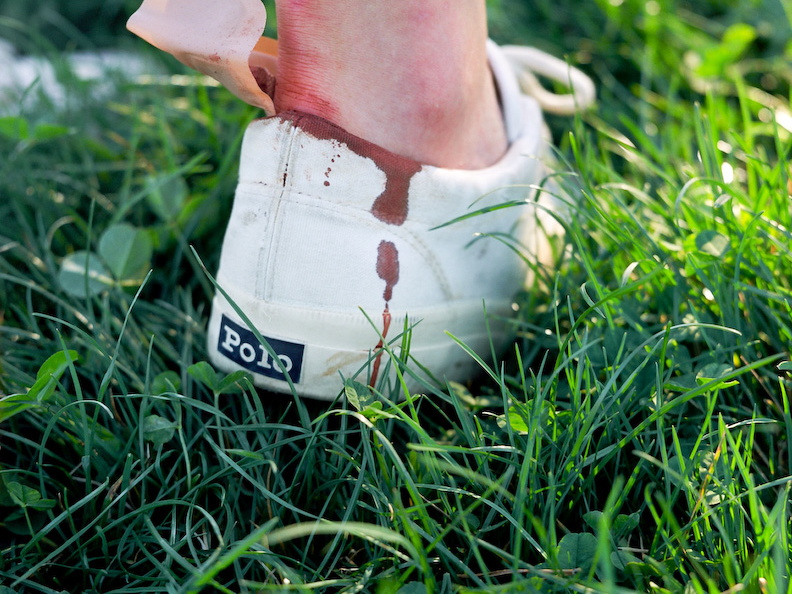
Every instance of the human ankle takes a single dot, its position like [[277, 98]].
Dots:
[[424, 92]]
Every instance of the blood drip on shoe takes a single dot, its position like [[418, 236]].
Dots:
[[387, 270], [388, 267]]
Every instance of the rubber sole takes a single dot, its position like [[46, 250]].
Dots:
[[315, 350]]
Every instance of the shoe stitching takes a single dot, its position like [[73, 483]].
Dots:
[[266, 262]]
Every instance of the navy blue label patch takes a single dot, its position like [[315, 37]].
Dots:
[[241, 346]]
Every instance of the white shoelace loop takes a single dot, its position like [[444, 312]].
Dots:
[[529, 61]]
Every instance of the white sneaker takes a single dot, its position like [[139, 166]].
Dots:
[[335, 243]]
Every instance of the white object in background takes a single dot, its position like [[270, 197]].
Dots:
[[32, 77]]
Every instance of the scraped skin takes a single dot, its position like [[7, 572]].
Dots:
[[410, 76], [214, 37]]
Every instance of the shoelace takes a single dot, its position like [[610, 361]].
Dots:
[[529, 61]]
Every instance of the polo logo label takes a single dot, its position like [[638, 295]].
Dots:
[[241, 346]]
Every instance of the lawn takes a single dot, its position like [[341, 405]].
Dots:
[[636, 437]]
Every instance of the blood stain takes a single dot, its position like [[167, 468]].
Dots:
[[392, 205], [388, 267], [264, 79]]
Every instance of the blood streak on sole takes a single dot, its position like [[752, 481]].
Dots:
[[386, 320], [391, 206]]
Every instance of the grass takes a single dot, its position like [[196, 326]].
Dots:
[[637, 437]]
